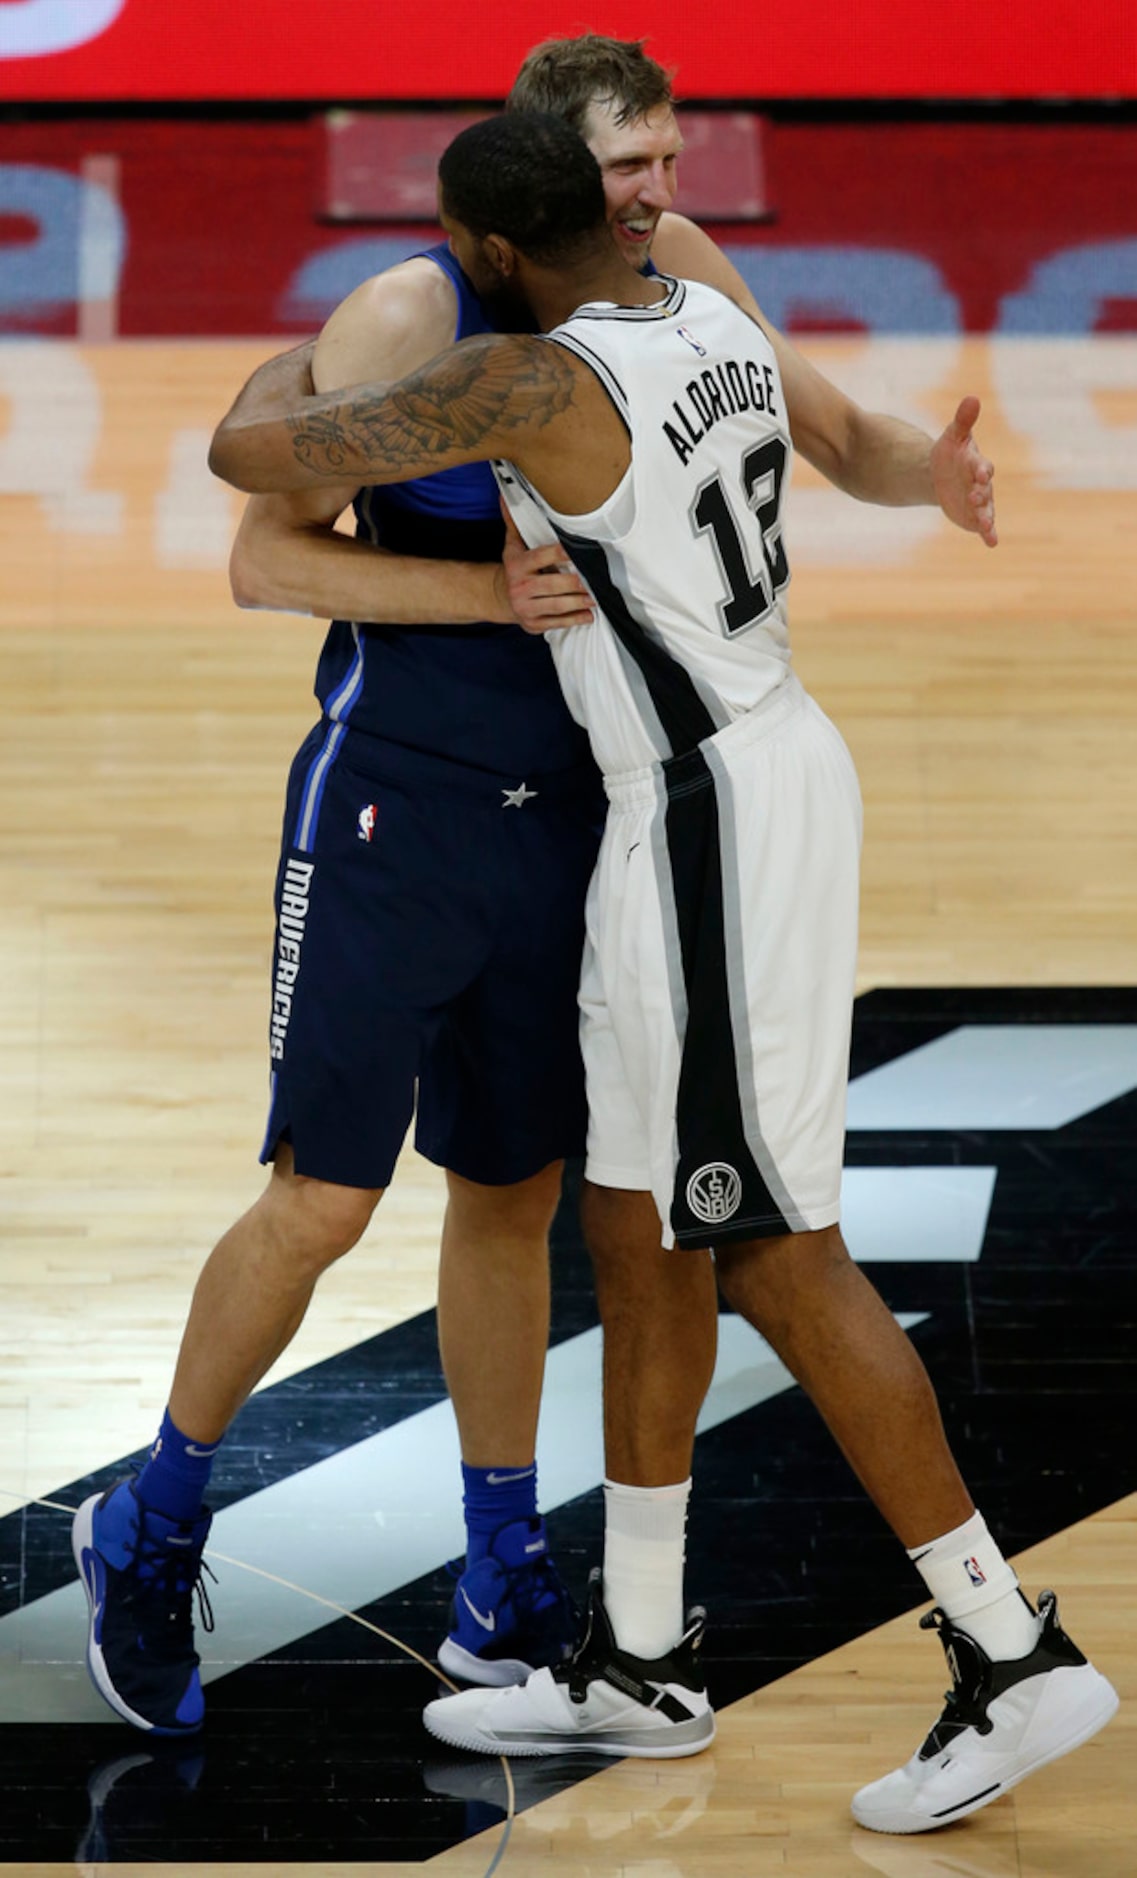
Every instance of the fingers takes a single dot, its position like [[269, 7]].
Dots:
[[539, 612], [962, 477], [963, 423], [982, 500], [546, 592], [549, 601], [544, 573], [548, 560]]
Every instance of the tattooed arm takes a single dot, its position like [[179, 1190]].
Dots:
[[493, 396]]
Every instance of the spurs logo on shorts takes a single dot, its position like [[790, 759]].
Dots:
[[714, 1192]]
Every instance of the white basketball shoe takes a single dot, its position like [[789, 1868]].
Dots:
[[603, 1701], [1002, 1721]]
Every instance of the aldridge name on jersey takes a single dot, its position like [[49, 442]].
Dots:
[[727, 390]]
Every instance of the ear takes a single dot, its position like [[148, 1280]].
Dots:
[[501, 254]]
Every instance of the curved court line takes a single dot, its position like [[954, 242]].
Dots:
[[287, 1584]]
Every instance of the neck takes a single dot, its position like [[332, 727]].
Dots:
[[555, 296]]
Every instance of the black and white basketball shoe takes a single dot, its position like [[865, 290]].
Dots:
[[602, 1701], [1002, 1721]]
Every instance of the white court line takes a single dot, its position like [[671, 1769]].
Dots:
[[995, 1076], [359, 1524]]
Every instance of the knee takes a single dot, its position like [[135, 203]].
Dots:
[[621, 1229], [312, 1223], [643, 1288], [519, 1213], [769, 1280]]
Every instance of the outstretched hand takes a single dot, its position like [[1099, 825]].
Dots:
[[964, 478], [545, 590]]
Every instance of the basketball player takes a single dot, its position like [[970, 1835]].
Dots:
[[493, 1286], [649, 436], [476, 719]]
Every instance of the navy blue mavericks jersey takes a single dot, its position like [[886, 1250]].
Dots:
[[483, 696]]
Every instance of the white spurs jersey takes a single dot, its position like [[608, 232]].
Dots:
[[686, 560]]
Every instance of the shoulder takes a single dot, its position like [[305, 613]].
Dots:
[[681, 247], [494, 363], [390, 325]]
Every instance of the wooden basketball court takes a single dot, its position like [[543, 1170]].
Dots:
[[990, 700]]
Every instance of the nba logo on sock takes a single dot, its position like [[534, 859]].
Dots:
[[366, 824], [972, 1567]]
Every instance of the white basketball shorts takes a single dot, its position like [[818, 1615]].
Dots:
[[718, 978]]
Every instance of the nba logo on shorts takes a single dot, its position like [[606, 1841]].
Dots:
[[366, 824], [974, 1571], [715, 1192]]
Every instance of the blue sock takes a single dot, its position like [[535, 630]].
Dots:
[[494, 1497], [175, 1477]]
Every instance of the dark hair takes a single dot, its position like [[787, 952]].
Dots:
[[529, 177], [565, 76]]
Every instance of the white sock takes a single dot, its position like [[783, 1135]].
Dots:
[[969, 1578], [644, 1533]]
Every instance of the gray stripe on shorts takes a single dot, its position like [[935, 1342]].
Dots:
[[644, 703], [733, 933]]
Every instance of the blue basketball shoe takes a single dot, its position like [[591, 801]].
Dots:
[[140, 1572], [510, 1613]]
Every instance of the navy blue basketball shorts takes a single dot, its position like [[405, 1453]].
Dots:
[[430, 925]]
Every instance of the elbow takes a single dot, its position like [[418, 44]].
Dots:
[[242, 585], [229, 461], [221, 459], [247, 582]]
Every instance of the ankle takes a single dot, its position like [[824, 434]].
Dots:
[[644, 1534], [176, 1474], [977, 1589], [493, 1498]]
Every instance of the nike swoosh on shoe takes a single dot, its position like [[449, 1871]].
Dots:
[[487, 1622]]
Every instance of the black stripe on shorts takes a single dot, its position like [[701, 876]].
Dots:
[[720, 1193]]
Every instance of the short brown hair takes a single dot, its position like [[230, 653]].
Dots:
[[565, 76]]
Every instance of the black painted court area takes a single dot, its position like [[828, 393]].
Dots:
[[318, 1753]]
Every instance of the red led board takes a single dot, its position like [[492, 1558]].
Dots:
[[86, 50]]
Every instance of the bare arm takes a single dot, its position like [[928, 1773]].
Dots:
[[488, 397], [868, 454], [275, 386], [288, 554]]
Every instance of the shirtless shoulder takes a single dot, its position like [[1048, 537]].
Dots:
[[389, 326]]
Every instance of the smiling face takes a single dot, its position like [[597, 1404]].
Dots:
[[637, 161]]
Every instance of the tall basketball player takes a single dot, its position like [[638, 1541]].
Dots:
[[648, 435]]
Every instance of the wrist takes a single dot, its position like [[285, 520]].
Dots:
[[500, 612]]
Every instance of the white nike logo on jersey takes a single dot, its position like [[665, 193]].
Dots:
[[487, 1623]]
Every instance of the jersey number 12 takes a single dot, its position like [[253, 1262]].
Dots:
[[750, 596]]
